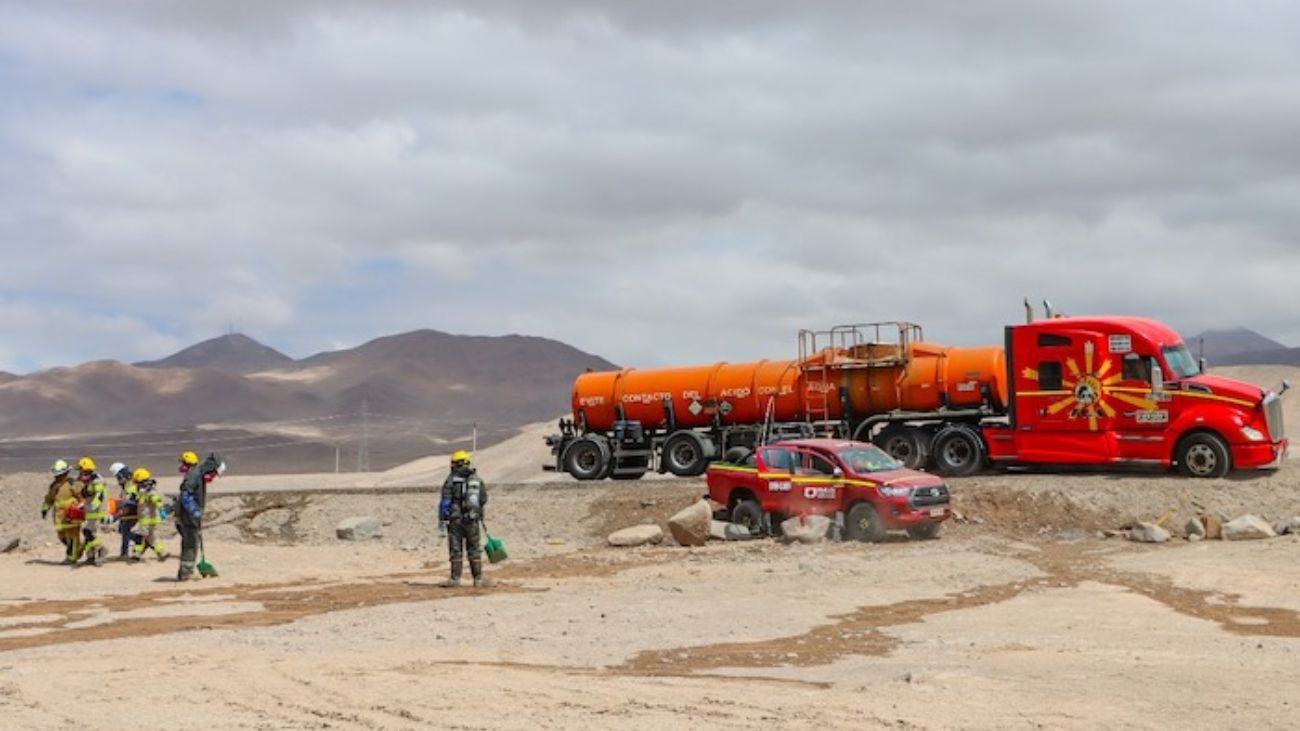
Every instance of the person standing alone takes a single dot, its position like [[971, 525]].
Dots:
[[189, 511], [464, 498]]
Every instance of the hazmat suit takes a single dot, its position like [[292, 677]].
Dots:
[[190, 507], [464, 499]]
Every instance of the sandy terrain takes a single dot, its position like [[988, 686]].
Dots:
[[1020, 616]]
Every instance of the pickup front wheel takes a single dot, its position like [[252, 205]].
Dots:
[[749, 514], [864, 524]]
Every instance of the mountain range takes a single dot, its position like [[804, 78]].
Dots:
[[1241, 346], [389, 400]]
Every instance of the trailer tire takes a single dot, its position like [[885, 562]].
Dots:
[[907, 444], [587, 458], [1203, 454], [686, 454], [958, 451], [749, 514], [863, 523], [924, 531]]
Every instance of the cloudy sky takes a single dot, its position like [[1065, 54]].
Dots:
[[656, 182]]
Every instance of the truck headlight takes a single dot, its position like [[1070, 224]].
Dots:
[[1252, 434], [888, 491]]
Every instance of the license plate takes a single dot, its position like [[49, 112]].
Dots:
[[937, 512]]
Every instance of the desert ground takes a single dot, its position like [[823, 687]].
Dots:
[[1021, 615]]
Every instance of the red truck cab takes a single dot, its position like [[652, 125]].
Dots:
[[1127, 390], [854, 481]]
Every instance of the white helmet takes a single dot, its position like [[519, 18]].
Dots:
[[116, 467]]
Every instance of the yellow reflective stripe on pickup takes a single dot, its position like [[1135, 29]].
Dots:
[[792, 478]]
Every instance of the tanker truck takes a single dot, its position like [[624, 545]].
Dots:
[[1059, 391]]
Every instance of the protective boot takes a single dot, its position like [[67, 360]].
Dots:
[[186, 572], [476, 569], [454, 580]]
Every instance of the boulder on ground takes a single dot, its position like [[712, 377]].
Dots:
[[1147, 533], [637, 535], [1213, 525], [1247, 527], [1195, 528], [690, 527], [1289, 526], [10, 545], [721, 530], [360, 528], [806, 529]]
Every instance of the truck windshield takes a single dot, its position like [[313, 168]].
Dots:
[[868, 459], [1181, 363]]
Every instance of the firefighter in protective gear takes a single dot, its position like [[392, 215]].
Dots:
[[189, 511], [95, 495], [127, 506], [63, 495], [464, 498], [149, 514]]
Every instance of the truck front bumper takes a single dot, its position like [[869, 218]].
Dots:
[[1260, 455]]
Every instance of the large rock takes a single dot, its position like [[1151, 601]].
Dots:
[[690, 527], [1148, 533], [1213, 526], [806, 529], [1290, 525], [10, 545], [1247, 527], [361, 528], [1194, 528], [637, 535]]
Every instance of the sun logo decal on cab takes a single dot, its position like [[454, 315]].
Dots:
[[1087, 393]]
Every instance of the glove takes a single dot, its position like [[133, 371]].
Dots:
[[442, 529], [44, 512], [444, 510]]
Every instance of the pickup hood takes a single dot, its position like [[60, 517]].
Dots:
[[904, 478], [1227, 387]]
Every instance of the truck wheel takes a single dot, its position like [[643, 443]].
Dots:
[[958, 451], [586, 459], [749, 514], [863, 523], [908, 445], [1203, 455], [686, 454], [924, 531]]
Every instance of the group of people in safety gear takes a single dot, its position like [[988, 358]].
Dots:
[[460, 515], [78, 502]]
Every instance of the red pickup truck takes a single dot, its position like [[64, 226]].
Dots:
[[854, 481]]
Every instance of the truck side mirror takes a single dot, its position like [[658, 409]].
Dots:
[[1286, 386], [1157, 379], [837, 472]]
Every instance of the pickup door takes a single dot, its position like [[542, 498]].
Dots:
[[796, 480]]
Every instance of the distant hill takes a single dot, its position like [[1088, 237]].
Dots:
[[234, 353], [1223, 346], [388, 401], [6, 377]]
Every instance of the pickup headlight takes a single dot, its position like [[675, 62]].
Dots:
[[1252, 434], [888, 491]]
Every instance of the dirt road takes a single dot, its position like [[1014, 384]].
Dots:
[[1019, 617]]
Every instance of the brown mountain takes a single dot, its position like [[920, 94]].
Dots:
[[234, 353], [388, 401]]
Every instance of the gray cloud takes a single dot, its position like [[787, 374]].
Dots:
[[655, 182]]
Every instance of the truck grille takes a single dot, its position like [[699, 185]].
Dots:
[[927, 496], [1273, 414]]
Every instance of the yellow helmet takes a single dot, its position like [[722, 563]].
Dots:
[[189, 459], [140, 475], [460, 456], [60, 468], [86, 464]]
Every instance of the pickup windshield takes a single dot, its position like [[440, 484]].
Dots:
[[1181, 363], [868, 459]]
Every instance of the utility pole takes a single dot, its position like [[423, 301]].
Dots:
[[363, 452]]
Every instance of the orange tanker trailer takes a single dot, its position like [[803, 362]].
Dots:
[[851, 380]]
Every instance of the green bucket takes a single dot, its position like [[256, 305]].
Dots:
[[494, 548]]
